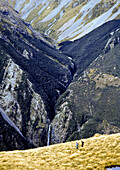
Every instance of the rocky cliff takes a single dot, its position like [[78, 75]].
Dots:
[[32, 76], [10, 136], [52, 95]]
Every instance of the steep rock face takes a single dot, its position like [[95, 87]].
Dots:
[[67, 19], [60, 124], [91, 103], [13, 140], [22, 104], [32, 76], [8, 98]]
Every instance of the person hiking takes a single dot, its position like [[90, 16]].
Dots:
[[82, 143], [77, 145]]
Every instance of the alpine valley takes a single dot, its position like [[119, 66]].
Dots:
[[59, 71]]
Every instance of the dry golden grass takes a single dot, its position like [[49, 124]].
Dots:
[[98, 152]]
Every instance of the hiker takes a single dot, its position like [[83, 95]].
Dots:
[[77, 145], [82, 143]]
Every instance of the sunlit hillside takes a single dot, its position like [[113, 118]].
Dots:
[[98, 152], [67, 19]]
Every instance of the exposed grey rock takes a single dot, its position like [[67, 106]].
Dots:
[[76, 3], [8, 100], [33, 75], [60, 124], [7, 119], [10, 136], [113, 40]]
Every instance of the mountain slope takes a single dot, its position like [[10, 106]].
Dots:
[[32, 76], [97, 153], [86, 49], [91, 102], [67, 19], [52, 95]]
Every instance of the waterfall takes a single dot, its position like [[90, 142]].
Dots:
[[48, 138]]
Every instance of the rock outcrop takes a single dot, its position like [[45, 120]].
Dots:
[[33, 74], [10, 136]]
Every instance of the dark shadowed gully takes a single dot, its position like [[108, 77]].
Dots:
[[53, 96]]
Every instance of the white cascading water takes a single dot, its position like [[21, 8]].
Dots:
[[49, 131]]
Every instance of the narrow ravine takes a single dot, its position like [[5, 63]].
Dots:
[[72, 71]]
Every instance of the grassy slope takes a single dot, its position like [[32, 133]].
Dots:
[[98, 152], [66, 13]]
